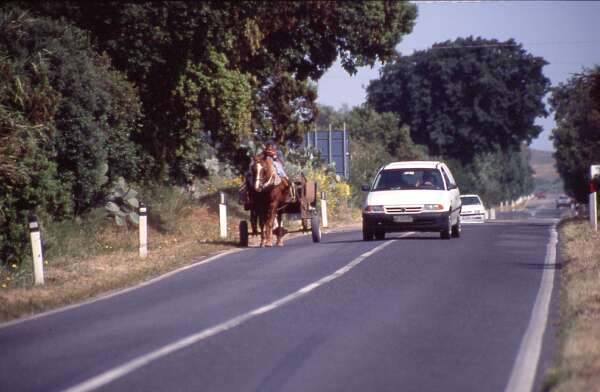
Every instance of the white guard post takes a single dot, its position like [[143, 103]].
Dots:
[[143, 226], [492, 213], [36, 250], [594, 171], [324, 210], [222, 215]]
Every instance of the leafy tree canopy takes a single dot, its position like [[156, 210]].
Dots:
[[576, 137], [465, 97], [277, 48]]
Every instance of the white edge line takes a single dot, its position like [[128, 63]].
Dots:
[[130, 366], [120, 291], [524, 369]]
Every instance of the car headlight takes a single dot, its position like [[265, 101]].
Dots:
[[433, 207], [373, 209]]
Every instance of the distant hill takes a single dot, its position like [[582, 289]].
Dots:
[[545, 175]]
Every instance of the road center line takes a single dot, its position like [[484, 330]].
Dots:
[[130, 366], [523, 372]]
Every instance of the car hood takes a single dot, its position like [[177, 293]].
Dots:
[[404, 197]]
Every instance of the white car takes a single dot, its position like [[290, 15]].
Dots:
[[563, 201], [412, 196], [473, 209]]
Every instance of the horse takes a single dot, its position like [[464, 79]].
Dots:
[[271, 194], [247, 196]]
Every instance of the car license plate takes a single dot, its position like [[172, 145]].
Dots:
[[403, 218]]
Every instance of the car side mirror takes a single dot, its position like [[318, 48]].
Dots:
[[452, 186], [365, 188]]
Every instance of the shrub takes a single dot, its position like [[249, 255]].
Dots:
[[97, 110], [28, 176], [308, 162], [66, 119]]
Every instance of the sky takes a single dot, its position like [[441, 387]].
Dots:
[[565, 33]]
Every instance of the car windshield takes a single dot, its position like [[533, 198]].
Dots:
[[470, 200], [394, 179]]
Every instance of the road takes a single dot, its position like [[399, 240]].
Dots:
[[410, 313]]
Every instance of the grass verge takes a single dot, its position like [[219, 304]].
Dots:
[[92, 256], [576, 365]]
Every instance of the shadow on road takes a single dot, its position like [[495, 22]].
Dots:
[[539, 266]]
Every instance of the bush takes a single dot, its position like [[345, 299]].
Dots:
[[97, 109], [65, 116], [28, 175], [308, 162]]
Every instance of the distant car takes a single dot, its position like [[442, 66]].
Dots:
[[472, 209], [540, 195], [563, 201]]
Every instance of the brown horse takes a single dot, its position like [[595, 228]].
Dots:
[[271, 194]]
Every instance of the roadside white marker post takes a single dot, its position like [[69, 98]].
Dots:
[[492, 213], [222, 215], [594, 171], [324, 210], [36, 250], [143, 228]]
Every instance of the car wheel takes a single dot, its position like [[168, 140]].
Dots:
[[380, 235], [367, 233], [457, 229], [445, 233]]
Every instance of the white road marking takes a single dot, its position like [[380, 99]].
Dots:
[[130, 366], [525, 367]]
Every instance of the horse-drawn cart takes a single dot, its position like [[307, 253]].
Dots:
[[303, 207]]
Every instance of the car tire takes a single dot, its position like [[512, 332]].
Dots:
[[367, 233], [380, 235], [456, 229], [445, 233]]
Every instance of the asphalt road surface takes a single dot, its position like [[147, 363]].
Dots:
[[410, 313]]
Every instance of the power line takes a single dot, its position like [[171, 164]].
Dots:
[[501, 45]]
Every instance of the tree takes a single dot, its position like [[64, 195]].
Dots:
[[29, 180], [465, 97], [98, 109], [217, 100], [576, 137], [66, 120], [375, 139], [497, 176], [278, 47]]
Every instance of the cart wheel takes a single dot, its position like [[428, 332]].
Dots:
[[243, 233], [315, 228]]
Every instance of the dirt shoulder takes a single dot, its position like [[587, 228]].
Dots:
[[577, 360]]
